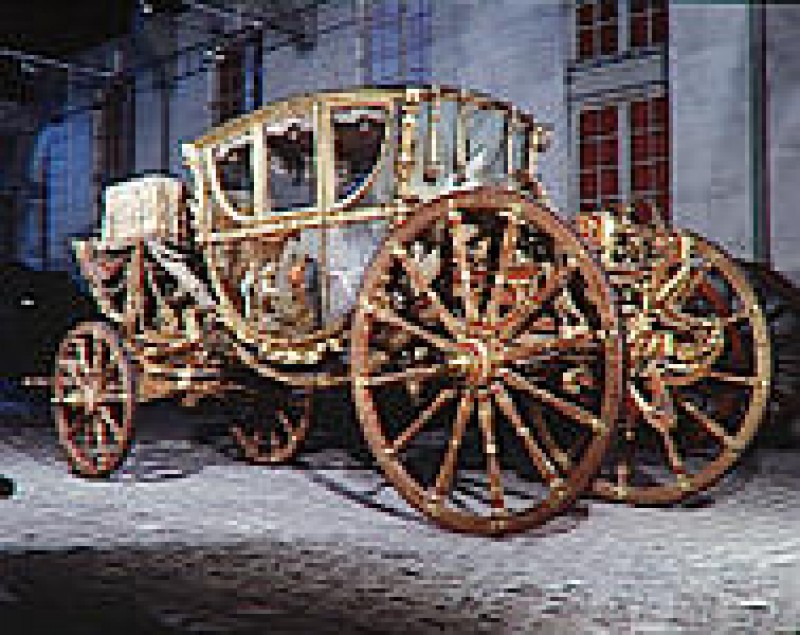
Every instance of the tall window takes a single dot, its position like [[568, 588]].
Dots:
[[648, 22], [229, 83], [597, 28], [650, 153], [238, 78], [599, 158], [114, 133], [397, 41]]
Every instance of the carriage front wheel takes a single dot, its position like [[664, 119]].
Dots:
[[484, 344], [94, 399]]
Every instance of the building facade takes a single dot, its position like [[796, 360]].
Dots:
[[688, 107]]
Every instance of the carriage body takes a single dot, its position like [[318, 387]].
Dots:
[[292, 202], [396, 243]]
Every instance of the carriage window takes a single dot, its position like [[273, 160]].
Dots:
[[292, 175], [487, 156], [358, 137], [233, 162]]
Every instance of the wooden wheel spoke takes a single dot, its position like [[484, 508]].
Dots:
[[735, 317], [675, 461], [274, 441], [711, 426], [113, 395], [415, 426], [555, 282], [682, 292], [423, 287], [78, 424], [390, 317], [114, 427], [623, 474], [571, 410], [506, 253], [461, 263], [82, 354], [561, 457], [98, 425], [97, 354], [537, 455], [285, 423], [730, 378], [486, 421], [71, 370], [527, 347], [405, 375], [76, 398], [663, 421], [444, 479]]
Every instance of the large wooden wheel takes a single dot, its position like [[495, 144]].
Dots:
[[94, 399], [270, 426], [690, 415], [483, 341]]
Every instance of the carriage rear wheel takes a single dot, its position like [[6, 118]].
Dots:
[[483, 342], [270, 426], [94, 399], [685, 429]]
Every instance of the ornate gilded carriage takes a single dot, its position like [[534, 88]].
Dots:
[[396, 243]]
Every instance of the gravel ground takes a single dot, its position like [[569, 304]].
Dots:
[[184, 539]]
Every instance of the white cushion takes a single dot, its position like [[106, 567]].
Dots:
[[147, 207]]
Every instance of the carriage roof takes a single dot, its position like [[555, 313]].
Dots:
[[354, 96]]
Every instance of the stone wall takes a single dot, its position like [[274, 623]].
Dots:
[[710, 118], [783, 72]]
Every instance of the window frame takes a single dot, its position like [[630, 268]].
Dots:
[[599, 23], [596, 139], [656, 158], [650, 13]]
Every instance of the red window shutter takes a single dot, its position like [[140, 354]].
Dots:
[[608, 119], [657, 144], [661, 171], [640, 179], [608, 39], [664, 206], [588, 155], [608, 9], [639, 30], [609, 185], [660, 111], [586, 14], [586, 43], [590, 123], [660, 28], [608, 152], [588, 185], [639, 147], [639, 116]]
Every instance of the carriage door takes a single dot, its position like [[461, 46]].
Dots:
[[355, 184]]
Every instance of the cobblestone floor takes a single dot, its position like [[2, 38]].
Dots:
[[184, 539]]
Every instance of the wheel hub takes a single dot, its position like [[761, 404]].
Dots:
[[92, 393], [481, 360]]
